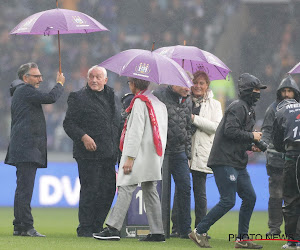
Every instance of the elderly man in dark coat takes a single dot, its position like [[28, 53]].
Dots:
[[28, 140], [92, 122]]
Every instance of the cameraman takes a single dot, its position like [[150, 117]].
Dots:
[[286, 139], [228, 160], [287, 89]]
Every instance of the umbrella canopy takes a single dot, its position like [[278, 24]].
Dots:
[[65, 21], [57, 21], [295, 69], [149, 66], [193, 59]]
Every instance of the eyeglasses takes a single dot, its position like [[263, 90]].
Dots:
[[35, 76]]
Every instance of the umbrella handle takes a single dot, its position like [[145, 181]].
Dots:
[[59, 60], [153, 46]]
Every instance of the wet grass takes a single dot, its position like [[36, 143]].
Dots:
[[59, 224]]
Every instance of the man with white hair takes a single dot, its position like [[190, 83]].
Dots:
[[92, 122]]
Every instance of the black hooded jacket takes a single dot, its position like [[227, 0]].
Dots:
[[275, 158], [28, 139], [234, 133]]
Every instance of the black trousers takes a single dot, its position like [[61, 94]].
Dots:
[[291, 196], [98, 186], [199, 189], [22, 210], [276, 198]]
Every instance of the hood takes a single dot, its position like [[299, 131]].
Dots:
[[288, 82], [285, 102], [16, 83], [246, 84]]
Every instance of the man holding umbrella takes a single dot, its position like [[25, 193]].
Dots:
[[28, 140]]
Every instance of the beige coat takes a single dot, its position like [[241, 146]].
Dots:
[[138, 143], [206, 122]]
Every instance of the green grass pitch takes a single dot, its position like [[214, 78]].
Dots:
[[59, 225]]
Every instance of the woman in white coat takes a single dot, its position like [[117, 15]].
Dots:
[[143, 143], [206, 116]]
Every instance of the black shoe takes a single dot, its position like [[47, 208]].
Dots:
[[154, 237], [208, 237], [33, 233], [85, 234], [174, 235], [185, 236], [107, 234], [17, 233], [289, 245], [274, 231]]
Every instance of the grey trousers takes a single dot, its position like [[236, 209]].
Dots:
[[152, 204]]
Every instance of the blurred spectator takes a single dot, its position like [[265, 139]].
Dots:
[[132, 24]]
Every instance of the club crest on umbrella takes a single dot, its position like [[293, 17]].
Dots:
[[142, 68], [201, 67], [77, 19]]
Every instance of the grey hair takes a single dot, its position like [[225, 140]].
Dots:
[[97, 67], [24, 69]]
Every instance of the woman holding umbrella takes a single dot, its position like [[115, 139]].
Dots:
[[206, 116]]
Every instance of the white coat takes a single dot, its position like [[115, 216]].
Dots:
[[138, 143], [206, 122]]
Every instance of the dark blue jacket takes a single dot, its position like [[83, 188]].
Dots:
[[28, 138]]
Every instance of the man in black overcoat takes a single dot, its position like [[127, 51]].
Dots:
[[92, 122], [28, 140]]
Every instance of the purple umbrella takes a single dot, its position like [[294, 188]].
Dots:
[[147, 65], [295, 69], [58, 21], [193, 59]]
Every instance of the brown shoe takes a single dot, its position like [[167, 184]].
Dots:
[[199, 239], [247, 245]]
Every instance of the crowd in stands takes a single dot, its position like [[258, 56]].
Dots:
[[132, 24], [136, 24]]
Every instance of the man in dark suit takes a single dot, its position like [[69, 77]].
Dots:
[[28, 140], [92, 122]]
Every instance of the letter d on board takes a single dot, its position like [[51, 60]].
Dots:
[[47, 181]]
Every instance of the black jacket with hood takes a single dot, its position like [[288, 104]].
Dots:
[[234, 133], [275, 158], [28, 139]]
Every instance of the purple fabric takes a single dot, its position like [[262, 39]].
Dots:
[[65, 21], [149, 66], [295, 69], [193, 59]]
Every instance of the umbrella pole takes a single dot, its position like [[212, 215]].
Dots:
[[152, 46], [184, 43], [59, 60]]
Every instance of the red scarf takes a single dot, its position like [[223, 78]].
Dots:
[[155, 130]]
